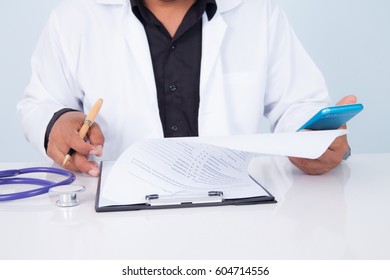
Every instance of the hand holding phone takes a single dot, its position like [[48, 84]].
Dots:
[[332, 117]]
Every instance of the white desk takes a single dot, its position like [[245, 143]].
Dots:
[[344, 214]]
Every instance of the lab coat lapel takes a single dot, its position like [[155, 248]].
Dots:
[[213, 108], [213, 33], [139, 47]]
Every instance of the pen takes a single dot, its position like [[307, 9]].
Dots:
[[88, 122]]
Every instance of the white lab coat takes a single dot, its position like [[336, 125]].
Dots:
[[252, 66]]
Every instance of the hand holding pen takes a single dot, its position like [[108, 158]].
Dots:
[[74, 137], [88, 122]]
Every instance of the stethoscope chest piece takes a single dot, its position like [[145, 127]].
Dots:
[[67, 195]]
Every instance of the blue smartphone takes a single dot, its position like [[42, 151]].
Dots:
[[332, 117]]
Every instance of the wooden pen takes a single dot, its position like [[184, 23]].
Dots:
[[88, 122]]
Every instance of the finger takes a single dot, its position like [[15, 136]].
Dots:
[[331, 158], [55, 153], [79, 145], [309, 166], [327, 161], [58, 156], [349, 99], [315, 166], [339, 146], [82, 164], [340, 143], [96, 138]]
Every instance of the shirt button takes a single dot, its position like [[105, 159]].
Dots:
[[172, 47], [173, 88], [174, 128]]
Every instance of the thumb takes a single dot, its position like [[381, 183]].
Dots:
[[349, 99]]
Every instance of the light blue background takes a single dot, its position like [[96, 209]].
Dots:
[[348, 39]]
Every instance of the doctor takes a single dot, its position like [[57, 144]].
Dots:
[[168, 68]]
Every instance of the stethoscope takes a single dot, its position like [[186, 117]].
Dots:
[[10, 177]]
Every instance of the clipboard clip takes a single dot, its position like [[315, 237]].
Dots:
[[160, 200]]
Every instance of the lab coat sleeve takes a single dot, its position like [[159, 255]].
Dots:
[[295, 89], [52, 86]]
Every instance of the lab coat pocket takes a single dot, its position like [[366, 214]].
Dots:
[[244, 93]]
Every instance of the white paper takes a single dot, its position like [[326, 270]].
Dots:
[[305, 144], [179, 168], [193, 166]]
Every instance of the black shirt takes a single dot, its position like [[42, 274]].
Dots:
[[176, 65]]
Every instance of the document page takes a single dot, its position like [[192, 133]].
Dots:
[[172, 168], [186, 167]]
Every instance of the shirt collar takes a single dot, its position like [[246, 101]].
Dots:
[[211, 8]]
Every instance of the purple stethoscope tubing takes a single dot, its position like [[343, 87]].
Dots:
[[9, 177]]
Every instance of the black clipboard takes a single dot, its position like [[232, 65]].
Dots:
[[155, 201]]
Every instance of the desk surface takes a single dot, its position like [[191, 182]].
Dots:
[[344, 214]]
